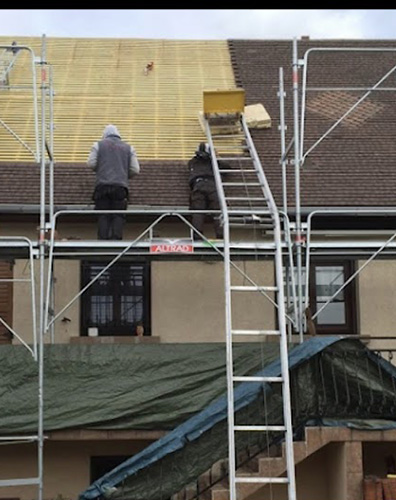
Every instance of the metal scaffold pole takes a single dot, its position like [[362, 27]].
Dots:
[[282, 128], [42, 266], [50, 151], [298, 235]]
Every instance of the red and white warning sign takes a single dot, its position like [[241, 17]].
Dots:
[[172, 246]]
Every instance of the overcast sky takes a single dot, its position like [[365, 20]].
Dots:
[[200, 24]]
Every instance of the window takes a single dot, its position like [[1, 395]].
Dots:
[[118, 301], [339, 316], [326, 277]]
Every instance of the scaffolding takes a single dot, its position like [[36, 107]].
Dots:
[[31, 250], [289, 247]]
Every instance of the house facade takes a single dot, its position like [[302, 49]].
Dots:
[[149, 297]]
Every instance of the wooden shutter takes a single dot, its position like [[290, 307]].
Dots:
[[6, 296]]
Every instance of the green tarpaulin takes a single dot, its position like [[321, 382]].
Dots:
[[332, 379], [153, 386]]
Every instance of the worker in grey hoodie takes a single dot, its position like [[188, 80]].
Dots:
[[114, 162]]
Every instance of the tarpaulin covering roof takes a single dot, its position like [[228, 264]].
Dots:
[[121, 386], [330, 377]]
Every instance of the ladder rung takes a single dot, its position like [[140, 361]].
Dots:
[[234, 158], [248, 212], [279, 480], [27, 439], [254, 209], [236, 170], [255, 332], [250, 226], [259, 225], [9, 280], [242, 184], [256, 379], [251, 217], [227, 136], [236, 198], [19, 481], [269, 428], [236, 288]]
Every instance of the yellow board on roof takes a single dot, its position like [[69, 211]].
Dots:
[[151, 89], [223, 101]]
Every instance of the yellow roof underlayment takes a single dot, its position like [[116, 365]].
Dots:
[[102, 81]]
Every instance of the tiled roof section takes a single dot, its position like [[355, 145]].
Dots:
[[338, 104], [102, 81], [355, 165], [158, 184]]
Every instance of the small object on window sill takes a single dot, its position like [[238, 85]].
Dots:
[[311, 327], [139, 330], [93, 331]]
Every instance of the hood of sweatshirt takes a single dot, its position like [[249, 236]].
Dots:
[[110, 130]]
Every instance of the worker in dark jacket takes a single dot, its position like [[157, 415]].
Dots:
[[114, 162], [203, 194]]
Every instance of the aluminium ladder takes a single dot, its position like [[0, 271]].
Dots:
[[246, 200]]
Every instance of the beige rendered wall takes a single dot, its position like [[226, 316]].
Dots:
[[188, 300], [26, 229], [67, 285], [377, 299], [312, 481], [188, 297], [322, 476], [66, 466]]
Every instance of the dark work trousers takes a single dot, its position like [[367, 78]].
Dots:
[[204, 197], [107, 197]]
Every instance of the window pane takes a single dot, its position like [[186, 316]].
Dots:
[[101, 309], [332, 314], [329, 279], [131, 309]]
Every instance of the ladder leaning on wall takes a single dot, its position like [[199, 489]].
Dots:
[[246, 199]]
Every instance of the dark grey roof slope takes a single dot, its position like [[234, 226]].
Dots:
[[355, 164], [158, 184]]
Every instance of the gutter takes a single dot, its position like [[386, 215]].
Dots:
[[17, 208], [14, 208]]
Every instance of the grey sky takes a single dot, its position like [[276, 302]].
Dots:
[[200, 24]]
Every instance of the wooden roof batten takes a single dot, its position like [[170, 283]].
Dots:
[[101, 81]]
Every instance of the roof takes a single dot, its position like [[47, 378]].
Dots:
[[160, 183], [353, 166], [102, 81]]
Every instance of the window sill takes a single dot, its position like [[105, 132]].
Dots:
[[115, 340]]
